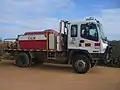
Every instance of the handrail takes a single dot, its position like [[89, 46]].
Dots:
[[10, 39], [10, 43]]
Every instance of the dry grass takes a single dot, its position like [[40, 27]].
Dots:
[[1, 48]]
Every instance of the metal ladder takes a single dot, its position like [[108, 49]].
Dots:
[[51, 53]]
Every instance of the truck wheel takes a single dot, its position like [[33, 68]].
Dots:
[[81, 64], [22, 60], [93, 64], [107, 58]]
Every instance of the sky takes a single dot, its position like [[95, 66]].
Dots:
[[19, 16]]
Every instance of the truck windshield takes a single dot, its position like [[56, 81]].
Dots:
[[89, 31], [102, 35]]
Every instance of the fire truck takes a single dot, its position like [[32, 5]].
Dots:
[[80, 44]]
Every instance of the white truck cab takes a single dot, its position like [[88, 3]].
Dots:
[[86, 44], [87, 35]]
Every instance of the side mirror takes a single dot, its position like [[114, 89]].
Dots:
[[106, 39]]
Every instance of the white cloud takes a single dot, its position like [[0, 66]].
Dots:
[[27, 15], [110, 19]]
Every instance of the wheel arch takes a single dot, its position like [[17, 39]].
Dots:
[[72, 53]]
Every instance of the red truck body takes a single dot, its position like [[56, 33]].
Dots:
[[35, 40]]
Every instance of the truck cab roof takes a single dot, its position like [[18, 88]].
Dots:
[[83, 22]]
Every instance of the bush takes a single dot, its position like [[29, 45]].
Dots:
[[1, 49], [116, 48]]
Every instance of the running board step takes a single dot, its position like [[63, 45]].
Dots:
[[51, 55]]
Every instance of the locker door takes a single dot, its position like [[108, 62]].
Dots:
[[51, 41]]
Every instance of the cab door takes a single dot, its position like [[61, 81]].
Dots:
[[89, 38], [73, 37]]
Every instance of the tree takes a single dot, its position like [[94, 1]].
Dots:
[[0, 39], [1, 47]]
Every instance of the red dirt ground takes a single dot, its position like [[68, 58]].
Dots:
[[57, 77]]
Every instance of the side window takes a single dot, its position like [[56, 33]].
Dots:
[[74, 30], [89, 32]]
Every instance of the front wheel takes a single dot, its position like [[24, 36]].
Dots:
[[81, 64], [108, 55], [108, 58]]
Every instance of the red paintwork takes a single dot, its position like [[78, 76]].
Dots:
[[80, 44], [36, 44], [87, 44], [96, 44], [33, 44]]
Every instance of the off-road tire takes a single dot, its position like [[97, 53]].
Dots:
[[77, 68], [22, 60]]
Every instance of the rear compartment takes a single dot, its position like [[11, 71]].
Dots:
[[32, 42], [38, 40]]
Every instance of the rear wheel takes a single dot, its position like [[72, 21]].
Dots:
[[22, 60], [81, 64]]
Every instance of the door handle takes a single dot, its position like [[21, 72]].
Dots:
[[82, 41]]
